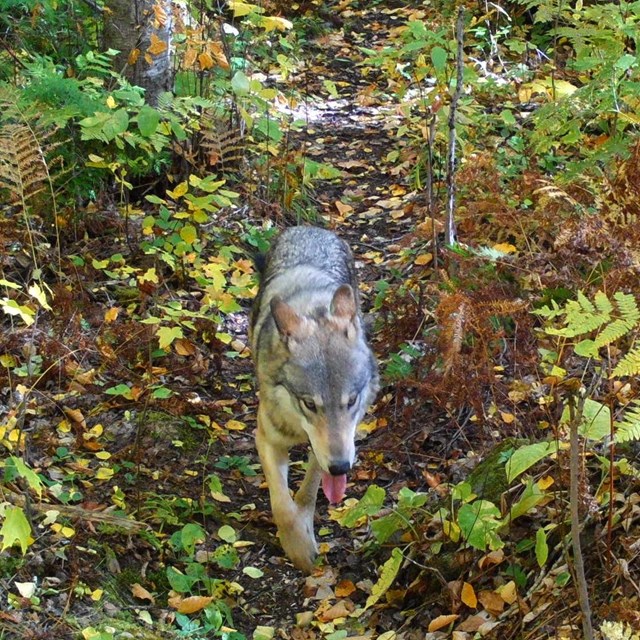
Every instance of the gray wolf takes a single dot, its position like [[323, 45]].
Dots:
[[316, 376]]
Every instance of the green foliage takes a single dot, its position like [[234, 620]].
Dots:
[[604, 41], [610, 320], [601, 322]]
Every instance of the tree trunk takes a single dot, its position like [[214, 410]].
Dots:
[[141, 31]]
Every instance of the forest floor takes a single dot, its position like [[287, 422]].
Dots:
[[110, 563]]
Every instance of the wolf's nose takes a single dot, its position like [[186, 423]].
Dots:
[[339, 468]]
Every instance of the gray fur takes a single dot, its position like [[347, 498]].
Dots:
[[310, 350]]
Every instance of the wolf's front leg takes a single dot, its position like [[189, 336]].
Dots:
[[293, 519]]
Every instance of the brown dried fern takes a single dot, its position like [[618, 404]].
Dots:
[[471, 343], [27, 155], [224, 146]]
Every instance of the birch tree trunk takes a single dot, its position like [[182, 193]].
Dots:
[[141, 31]]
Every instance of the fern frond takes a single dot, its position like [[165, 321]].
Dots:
[[603, 303], [629, 365], [23, 169], [628, 428], [628, 307], [581, 318], [613, 332]]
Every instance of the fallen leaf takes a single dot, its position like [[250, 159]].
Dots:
[[141, 593], [468, 596], [184, 347], [345, 588], [343, 209], [492, 602], [76, 416], [441, 622], [471, 624], [340, 609], [192, 604], [507, 418], [504, 247], [423, 258], [492, 558], [508, 592]]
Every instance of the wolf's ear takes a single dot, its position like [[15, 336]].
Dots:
[[287, 320], [343, 304]]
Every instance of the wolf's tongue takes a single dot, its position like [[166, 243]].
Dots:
[[334, 486]]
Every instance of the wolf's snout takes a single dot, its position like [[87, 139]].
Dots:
[[339, 468]]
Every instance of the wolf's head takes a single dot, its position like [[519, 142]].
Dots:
[[331, 377]]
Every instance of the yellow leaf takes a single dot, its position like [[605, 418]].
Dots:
[[111, 103], [179, 191], [545, 482], [64, 426], [235, 425], [387, 575], [468, 595], [103, 455], [166, 335], [508, 592], [423, 258], [36, 292], [507, 418], [242, 8], [134, 54], [189, 233], [111, 315], [96, 594], [149, 275], [504, 247], [441, 622], [272, 23], [104, 473], [184, 347], [157, 46], [67, 532]]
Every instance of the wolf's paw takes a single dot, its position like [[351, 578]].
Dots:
[[298, 540]]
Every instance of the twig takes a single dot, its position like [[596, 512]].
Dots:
[[578, 560], [450, 232]]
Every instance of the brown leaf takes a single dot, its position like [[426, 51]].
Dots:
[[184, 347], [205, 60], [492, 558], [343, 209], [193, 604], [471, 624], [141, 593], [340, 609], [492, 602], [75, 415], [345, 588]]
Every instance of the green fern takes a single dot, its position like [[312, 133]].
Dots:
[[629, 365], [628, 428], [628, 308]]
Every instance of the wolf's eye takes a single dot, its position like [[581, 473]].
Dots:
[[309, 403], [352, 400]]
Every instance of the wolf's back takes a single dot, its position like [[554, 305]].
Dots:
[[312, 247], [303, 260]]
